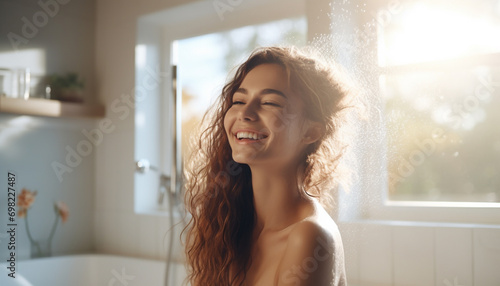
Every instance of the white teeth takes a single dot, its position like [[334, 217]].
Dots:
[[248, 135]]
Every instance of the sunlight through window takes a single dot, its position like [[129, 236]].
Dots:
[[428, 31], [440, 80]]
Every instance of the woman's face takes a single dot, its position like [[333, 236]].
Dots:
[[265, 124]]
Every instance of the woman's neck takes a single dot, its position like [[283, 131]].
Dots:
[[277, 198]]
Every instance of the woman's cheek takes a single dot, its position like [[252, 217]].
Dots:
[[227, 120], [278, 122]]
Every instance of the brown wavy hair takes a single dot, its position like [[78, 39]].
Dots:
[[219, 194]]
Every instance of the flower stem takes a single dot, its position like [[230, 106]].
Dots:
[[54, 226], [28, 229], [33, 242]]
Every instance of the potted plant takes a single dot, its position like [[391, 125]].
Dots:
[[68, 87]]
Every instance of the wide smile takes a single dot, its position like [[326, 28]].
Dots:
[[249, 137]]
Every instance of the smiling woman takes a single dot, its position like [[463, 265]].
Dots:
[[260, 181], [255, 122]]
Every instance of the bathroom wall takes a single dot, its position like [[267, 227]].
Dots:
[[55, 37], [118, 229], [405, 253]]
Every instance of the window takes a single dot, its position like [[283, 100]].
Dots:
[[440, 81], [430, 151]]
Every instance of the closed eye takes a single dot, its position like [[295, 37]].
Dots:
[[272, 104], [238, 102]]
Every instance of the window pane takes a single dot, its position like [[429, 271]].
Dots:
[[431, 30], [444, 139]]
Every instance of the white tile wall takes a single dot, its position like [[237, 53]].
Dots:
[[454, 262], [487, 256], [148, 244], [407, 255], [413, 251], [129, 225], [350, 238], [113, 235], [375, 255], [29, 146]]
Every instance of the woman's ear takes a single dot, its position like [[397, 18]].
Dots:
[[313, 132]]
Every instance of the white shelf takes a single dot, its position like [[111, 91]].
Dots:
[[50, 108]]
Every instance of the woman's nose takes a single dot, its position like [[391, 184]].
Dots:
[[248, 112]]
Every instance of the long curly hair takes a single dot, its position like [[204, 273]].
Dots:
[[219, 194]]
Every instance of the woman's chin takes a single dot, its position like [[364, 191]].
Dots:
[[246, 157], [241, 159]]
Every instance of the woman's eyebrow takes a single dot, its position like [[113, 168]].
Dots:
[[241, 90], [275, 91], [263, 92]]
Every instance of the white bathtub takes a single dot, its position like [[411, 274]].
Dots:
[[91, 270]]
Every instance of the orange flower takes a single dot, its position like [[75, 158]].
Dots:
[[26, 199], [22, 212], [62, 210]]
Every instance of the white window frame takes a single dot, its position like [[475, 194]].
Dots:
[[370, 202]]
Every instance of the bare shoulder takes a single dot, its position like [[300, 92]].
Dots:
[[318, 229], [316, 234], [311, 233], [314, 253]]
